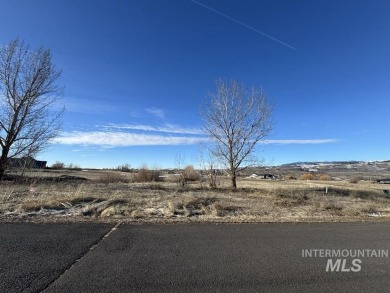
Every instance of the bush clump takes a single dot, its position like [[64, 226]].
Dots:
[[190, 174], [58, 165], [73, 167], [355, 179], [307, 176], [146, 175], [124, 168], [324, 177]]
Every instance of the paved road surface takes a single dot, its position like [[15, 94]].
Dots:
[[189, 258], [34, 255]]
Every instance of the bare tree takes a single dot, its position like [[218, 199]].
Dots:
[[210, 167], [236, 119], [28, 93]]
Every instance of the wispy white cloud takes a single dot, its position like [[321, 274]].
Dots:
[[110, 139], [123, 135], [166, 128], [122, 139], [159, 113]]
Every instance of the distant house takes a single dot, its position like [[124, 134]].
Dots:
[[27, 162], [269, 176], [264, 176], [384, 181], [254, 176]]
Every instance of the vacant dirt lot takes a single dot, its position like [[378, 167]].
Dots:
[[96, 195]]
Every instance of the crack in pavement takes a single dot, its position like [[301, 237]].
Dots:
[[93, 246]]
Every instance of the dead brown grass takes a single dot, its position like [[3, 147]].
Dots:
[[105, 197], [113, 177]]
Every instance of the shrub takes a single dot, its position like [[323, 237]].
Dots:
[[73, 167], [355, 179], [189, 174], [307, 176], [124, 168], [58, 166], [324, 177], [146, 175]]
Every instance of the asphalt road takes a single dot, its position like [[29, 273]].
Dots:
[[34, 255], [192, 258]]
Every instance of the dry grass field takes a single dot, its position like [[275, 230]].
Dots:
[[103, 195]]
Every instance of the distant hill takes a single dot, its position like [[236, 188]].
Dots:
[[334, 163], [327, 163]]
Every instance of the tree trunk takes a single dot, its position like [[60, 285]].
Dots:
[[3, 161], [234, 183], [233, 172], [233, 169], [2, 168]]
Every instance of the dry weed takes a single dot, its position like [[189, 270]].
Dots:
[[112, 177], [269, 201], [307, 176]]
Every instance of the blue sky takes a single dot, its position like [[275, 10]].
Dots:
[[136, 72]]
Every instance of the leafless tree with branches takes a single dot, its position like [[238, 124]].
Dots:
[[236, 119], [28, 93]]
